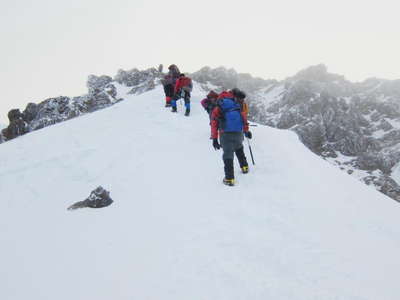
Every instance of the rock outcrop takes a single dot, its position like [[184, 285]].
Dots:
[[98, 198], [102, 92]]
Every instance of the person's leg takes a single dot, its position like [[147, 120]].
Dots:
[[244, 166], [169, 93], [227, 156], [229, 171], [187, 102], [239, 151], [173, 102]]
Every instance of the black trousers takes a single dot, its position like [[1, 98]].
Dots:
[[232, 144], [169, 90]]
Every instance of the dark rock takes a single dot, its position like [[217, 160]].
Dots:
[[98, 198], [386, 185], [14, 115], [17, 125], [30, 112]]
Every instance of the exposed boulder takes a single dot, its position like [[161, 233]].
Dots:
[[98, 198], [17, 125]]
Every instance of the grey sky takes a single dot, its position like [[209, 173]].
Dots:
[[49, 47]]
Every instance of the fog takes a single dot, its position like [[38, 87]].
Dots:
[[50, 47]]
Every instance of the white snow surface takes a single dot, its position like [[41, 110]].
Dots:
[[295, 227], [396, 173]]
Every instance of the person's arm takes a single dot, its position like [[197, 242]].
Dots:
[[215, 116], [204, 103], [177, 86]]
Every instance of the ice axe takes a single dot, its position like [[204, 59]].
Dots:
[[251, 152]]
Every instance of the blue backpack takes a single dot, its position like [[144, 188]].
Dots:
[[231, 115]]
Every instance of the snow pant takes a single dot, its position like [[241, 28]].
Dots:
[[182, 94], [169, 92], [232, 143]]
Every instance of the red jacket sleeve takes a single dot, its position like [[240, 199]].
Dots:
[[204, 103], [215, 116], [177, 85]]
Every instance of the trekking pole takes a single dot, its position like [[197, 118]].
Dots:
[[251, 152]]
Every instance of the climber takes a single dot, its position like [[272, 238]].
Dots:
[[210, 102], [173, 70], [168, 84], [183, 88], [240, 98], [229, 120]]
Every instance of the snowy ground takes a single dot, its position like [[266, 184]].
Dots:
[[295, 227]]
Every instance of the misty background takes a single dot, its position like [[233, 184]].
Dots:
[[49, 48]]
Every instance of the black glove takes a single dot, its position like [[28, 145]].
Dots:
[[248, 134], [216, 145]]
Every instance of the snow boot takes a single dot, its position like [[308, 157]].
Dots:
[[228, 182], [245, 169], [229, 173], [187, 112], [174, 109]]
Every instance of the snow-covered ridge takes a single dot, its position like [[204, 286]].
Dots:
[[295, 227], [332, 116]]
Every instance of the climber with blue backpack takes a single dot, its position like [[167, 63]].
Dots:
[[229, 121]]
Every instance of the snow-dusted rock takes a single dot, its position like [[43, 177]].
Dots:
[[17, 125], [222, 78], [140, 81], [98, 198], [332, 115], [102, 92]]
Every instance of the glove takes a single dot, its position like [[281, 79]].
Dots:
[[248, 134], [216, 145]]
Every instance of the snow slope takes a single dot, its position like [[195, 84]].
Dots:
[[295, 227]]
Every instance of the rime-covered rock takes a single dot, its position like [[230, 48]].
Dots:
[[98, 198], [17, 125], [140, 81], [222, 78], [97, 83], [102, 92]]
